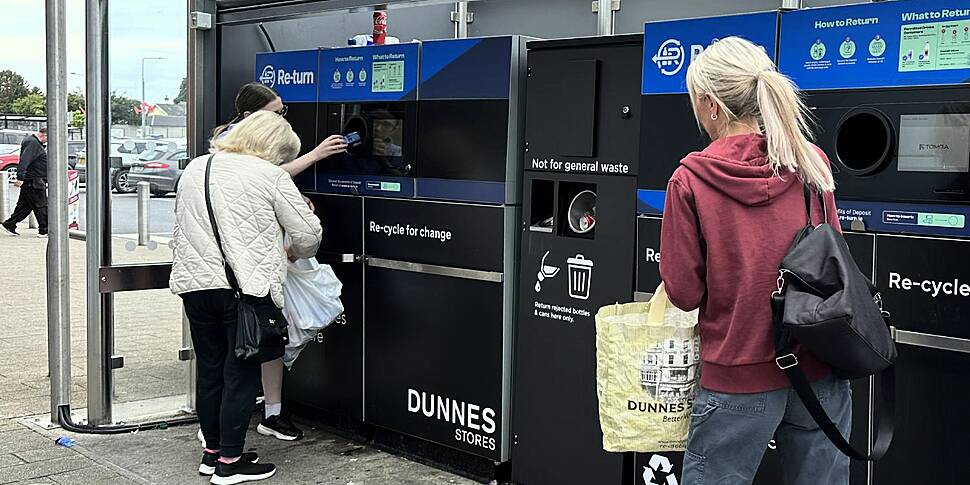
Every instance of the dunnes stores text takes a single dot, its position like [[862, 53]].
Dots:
[[477, 419]]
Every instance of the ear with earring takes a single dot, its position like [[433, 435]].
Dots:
[[713, 116]]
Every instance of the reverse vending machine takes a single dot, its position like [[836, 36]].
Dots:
[[888, 83], [420, 224], [577, 232]]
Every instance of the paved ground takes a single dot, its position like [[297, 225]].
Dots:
[[148, 335]]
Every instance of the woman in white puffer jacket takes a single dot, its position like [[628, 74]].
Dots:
[[254, 202]]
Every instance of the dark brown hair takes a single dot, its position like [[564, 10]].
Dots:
[[251, 98]]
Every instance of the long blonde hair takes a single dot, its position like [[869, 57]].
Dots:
[[263, 134], [741, 78]]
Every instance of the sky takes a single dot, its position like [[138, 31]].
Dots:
[[137, 29]]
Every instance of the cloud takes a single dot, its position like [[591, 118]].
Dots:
[[142, 28]]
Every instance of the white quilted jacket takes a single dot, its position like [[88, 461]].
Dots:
[[254, 203]]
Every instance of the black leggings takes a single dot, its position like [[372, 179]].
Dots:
[[226, 386]]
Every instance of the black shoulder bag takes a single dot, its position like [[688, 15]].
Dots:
[[261, 333], [827, 305]]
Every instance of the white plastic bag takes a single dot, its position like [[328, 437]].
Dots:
[[311, 301]]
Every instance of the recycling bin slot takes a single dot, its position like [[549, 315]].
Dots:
[[863, 140], [577, 207], [541, 217]]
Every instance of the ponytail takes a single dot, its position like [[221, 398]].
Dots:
[[745, 83], [784, 118]]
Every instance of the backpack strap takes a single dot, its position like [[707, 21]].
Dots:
[[808, 191], [787, 361]]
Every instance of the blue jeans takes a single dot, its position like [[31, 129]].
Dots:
[[730, 432]]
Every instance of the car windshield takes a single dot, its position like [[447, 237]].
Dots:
[[151, 155]]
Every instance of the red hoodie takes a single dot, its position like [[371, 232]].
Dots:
[[728, 223]]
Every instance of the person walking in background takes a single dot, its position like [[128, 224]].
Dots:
[[254, 202], [729, 220], [32, 181]]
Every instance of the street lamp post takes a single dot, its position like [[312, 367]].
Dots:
[[144, 112]]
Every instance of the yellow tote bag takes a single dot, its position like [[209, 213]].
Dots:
[[647, 370]]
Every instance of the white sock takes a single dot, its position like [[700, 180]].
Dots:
[[272, 410]]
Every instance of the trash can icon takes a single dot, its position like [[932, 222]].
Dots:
[[580, 276]]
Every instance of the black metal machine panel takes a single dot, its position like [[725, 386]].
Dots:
[[578, 238], [454, 235], [434, 359]]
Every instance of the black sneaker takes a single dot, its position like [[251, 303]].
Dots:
[[279, 427], [12, 230], [209, 461], [241, 471]]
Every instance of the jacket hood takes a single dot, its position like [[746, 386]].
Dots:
[[738, 167]]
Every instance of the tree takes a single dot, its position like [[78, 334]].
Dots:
[[75, 101], [183, 92], [32, 105], [13, 86], [123, 110], [77, 119]]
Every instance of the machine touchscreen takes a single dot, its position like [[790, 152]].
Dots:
[[934, 143]]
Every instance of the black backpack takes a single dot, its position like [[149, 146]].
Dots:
[[827, 305]]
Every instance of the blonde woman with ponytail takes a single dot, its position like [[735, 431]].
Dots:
[[732, 211]]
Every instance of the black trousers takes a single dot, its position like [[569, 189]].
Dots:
[[226, 386], [31, 199]]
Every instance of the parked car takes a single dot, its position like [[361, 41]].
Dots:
[[9, 163], [161, 168], [10, 140], [127, 151], [74, 148]]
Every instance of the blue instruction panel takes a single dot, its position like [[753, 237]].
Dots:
[[885, 44], [901, 218], [372, 73], [466, 68], [292, 74], [669, 47]]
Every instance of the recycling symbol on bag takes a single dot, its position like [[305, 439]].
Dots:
[[659, 464]]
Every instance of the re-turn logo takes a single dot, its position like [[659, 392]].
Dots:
[[268, 76]]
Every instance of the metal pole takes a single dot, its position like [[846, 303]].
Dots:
[[144, 114], [58, 258], [604, 18], [144, 111], [98, 345], [4, 193], [791, 4], [201, 118], [462, 20], [144, 200]]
